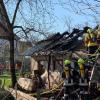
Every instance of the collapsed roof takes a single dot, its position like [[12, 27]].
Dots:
[[57, 43]]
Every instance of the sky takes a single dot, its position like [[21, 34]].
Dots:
[[76, 19], [59, 12]]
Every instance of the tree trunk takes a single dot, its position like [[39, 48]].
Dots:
[[9, 30], [12, 65]]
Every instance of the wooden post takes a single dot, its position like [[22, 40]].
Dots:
[[49, 63]]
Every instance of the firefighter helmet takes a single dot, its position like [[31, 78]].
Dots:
[[81, 61], [67, 62]]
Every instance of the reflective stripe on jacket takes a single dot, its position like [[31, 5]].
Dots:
[[90, 39], [82, 70]]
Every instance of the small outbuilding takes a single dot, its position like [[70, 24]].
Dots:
[[51, 52]]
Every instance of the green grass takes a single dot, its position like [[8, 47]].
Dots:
[[5, 81]]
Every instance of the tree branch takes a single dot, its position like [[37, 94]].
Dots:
[[97, 0], [39, 31], [4, 13], [21, 29], [30, 29], [15, 12]]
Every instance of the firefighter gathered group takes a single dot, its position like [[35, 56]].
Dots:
[[92, 43]]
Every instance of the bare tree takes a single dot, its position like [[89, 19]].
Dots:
[[83, 7], [26, 17], [68, 23], [34, 15], [23, 16]]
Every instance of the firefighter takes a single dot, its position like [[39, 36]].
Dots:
[[67, 69], [84, 79], [81, 63], [68, 82], [91, 44], [97, 32], [90, 41]]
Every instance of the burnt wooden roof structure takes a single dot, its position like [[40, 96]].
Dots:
[[57, 43]]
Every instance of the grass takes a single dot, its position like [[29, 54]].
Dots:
[[5, 79]]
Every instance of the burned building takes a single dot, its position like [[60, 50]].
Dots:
[[52, 51]]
